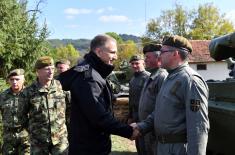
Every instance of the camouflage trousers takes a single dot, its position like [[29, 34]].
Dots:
[[15, 143], [50, 149]]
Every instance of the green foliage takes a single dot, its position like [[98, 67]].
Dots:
[[80, 44], [21, 39], [204, 23], [115, 36], [125, 51], [208, 23], [3, 84], [66, 52]]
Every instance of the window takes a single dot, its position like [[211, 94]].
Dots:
[[201, 67]]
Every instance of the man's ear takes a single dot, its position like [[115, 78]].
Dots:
[[97, 51]]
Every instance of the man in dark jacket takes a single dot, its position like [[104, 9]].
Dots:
[[92, 119]]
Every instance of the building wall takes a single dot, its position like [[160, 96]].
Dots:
[[215, 70]]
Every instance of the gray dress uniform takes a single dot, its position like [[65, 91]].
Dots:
[[136, 85], [181, 114], [147, 104]]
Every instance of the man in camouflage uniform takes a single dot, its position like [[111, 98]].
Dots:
[[136, 85], [46, 110], [15, 138], [62, 66]]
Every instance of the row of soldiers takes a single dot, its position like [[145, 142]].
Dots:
[[35, 118], [168, 104]]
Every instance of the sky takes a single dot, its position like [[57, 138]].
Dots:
[[76, 19]]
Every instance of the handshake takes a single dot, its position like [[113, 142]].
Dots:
[[136, 131]]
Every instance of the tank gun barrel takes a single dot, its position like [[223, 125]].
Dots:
[[223, 47]]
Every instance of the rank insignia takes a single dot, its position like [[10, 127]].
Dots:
[[195, 105]]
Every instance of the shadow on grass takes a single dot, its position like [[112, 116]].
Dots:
[[123, 153]]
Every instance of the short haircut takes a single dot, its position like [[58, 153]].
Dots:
[[100, 41], [183, 54]]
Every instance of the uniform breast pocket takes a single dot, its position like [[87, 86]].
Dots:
[[36, 104], [7, 111], [59, 102]]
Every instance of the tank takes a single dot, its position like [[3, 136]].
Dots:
[[221, 140]]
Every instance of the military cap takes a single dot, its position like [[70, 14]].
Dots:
[[178, 42], [152, 48], [136, 58], [43, 62], [62, 61], [15, 72]]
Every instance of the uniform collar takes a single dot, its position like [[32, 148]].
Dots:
[[103, 69], [41, 89], [176, 70]]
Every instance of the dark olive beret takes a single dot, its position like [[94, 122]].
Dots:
[[178, 42], [136, 58], [15, 72], [152, 48], [43, 62], [62, 61]]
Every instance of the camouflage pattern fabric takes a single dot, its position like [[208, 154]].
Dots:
[[68, 110], [46, 110], [15, 138]]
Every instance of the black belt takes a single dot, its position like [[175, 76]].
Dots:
[[172, 138]]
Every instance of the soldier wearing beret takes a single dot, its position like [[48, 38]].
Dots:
[[15, 138], [136, 85], [150, 91], [46, 111], [180, 119]]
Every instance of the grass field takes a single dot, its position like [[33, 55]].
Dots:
[[123, 146]]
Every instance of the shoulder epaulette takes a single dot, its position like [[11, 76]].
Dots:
[[82, 68]]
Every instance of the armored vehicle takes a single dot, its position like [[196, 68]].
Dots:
[[222, 102]]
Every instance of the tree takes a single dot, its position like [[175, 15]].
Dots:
[[204, 23], [170, 22], [209, 23], [115, 36], [22, 41], [153, 32], [67, 52], [125, 51]]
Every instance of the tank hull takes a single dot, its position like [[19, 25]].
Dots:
[[221, 138]]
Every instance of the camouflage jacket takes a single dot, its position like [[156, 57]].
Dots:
[[9, 106], [46, 110]]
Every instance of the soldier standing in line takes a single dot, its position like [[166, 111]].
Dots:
[[46, 110], [180, 119], [15, 138], [150, 91], [62, 66], [136, 85]]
